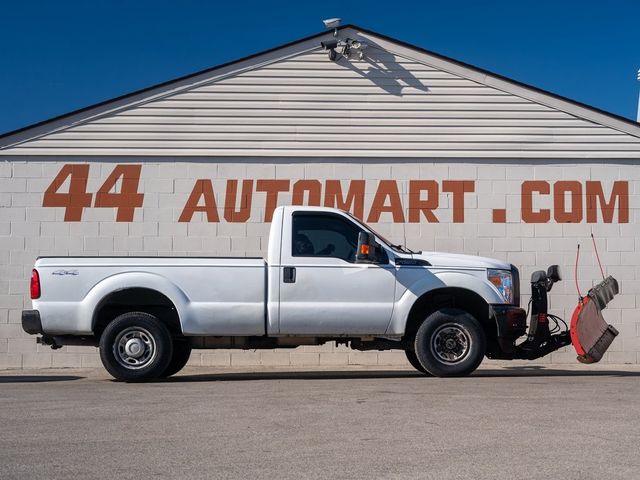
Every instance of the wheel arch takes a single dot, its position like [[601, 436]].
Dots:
[[466, 284], [135, 291], [136, 299], [450, 297]]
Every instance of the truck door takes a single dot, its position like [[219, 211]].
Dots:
[[322, 288]]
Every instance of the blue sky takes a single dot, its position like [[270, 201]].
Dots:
[[58, 56]]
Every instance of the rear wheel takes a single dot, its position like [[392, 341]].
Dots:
[[180, 357], [450, 343], [136, 346]]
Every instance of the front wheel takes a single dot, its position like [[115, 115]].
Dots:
[[450, 343], [415, 363], [135, 347]]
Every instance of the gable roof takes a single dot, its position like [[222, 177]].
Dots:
[[151, 89], [304, 46]]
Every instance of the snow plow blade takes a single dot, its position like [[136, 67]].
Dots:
[[591, 336]]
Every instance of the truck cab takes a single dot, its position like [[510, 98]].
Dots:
[[322, 285]]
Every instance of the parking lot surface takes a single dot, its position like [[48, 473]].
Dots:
[[523, 422]]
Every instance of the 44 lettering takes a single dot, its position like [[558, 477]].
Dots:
[[119, 191]]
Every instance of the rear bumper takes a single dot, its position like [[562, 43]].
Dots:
[[31, 322]]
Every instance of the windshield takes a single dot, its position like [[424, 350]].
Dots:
[[395, 248]]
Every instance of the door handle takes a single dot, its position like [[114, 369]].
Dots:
[[289, 275]]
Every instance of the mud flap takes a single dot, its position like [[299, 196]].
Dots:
[[591, 336]]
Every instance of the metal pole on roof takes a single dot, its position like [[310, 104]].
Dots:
[[638, 115]]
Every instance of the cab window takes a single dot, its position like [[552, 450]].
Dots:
[[322, 235]]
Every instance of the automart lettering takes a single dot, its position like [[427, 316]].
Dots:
[[411, 201]]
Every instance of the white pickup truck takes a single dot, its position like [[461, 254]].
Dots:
[[327, 277]]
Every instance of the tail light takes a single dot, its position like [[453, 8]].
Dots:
[[35, 285]]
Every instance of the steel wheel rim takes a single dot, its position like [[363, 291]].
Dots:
[[451, 343], [134, 348]]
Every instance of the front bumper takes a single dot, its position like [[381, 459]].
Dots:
[[31, 322], [511, 323]]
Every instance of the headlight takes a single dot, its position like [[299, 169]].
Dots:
[[503, 281]]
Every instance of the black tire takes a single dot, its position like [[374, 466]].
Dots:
[[128, 335], [180, 357], [415, 363], [450, 343]]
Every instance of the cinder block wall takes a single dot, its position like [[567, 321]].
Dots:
[[492, 225]]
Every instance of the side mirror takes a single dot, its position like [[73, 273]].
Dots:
[[553, 273], [366, 248]]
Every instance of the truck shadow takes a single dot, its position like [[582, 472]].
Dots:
[[37, 378], [536, 371], [513, 372], [298, 375]]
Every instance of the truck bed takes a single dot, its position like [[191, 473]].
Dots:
[[218, 295]]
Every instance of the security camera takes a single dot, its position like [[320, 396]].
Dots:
[[332, 22], [329, 45], [358, 45]]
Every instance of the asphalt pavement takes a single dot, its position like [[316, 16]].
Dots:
[[526, 423]]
